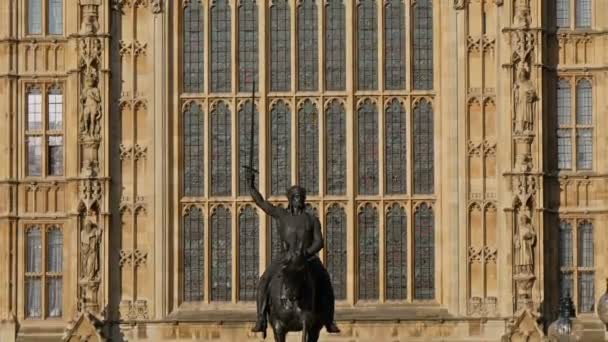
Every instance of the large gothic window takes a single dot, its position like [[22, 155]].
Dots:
[[395, 143], [247, 131], [368, 253], [394, 45], [424, 159], [367, 148], [193, 151], [308, 147], [280, 156], [248, 45], [424, 253], [280, 46], [308, 49], [335, 45], [335, 145], [423, 44], [396, 253], [248, 253], [221, 144], [221, 254], [367, 45], [194, 256], [336, 249], [221, 57], [193, 47]]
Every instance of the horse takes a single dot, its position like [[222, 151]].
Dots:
[[293, 303]]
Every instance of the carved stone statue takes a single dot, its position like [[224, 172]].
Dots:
[[90, 239], [524, 245], [91, 105], [524, 100]]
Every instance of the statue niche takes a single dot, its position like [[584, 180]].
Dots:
[[524, 100]]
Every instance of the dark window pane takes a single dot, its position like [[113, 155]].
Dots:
[[367, 45], [335, 145], [565, 244], [583, 13], [584, 103], [424, 159], [394, 45], [280, 150], [308, 49], [55, 156], [194, 255], [308, 147], [34, 297], [423, 45], [566, 285], [248, 45], [54, 251], [221, 55], [368, 253], [221, 144], [336, 249], [193, 48], [368, 148], [193, 151], [584, 149], [585, 245], [55, 16], [221, 255], [564, 103], [34, 156], [424, 253], [280, 46], [396, 253], [562, 13], [276, 247], [586, 292], [245, 135], [34, 110], [395, 148], [564, 149], [248, 254], [335, 46], [54, 288], [34, 18], [34, 251]]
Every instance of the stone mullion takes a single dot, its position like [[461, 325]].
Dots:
[[263, 129], [351, 208]]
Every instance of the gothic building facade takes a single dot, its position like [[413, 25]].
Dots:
[[455, 152]]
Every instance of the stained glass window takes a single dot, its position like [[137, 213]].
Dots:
[[335, 45], [422, 46], [220, 46], [584, 103], [221, 159], [308, 147], [221, 255], [335, 145], [194, 255], [368, 148], [34, 18], [396, 253], [562, 13], [55, 17], [395, 148], [394, 45], [308, 49], [193, 47], [367, 45], [280, 156], [248, 45], [583, 13], [280, 46], [248, 254], [424, 253], [368, 253], [193, 151], [423, 149], [54, 281], [336, 249], [245, 117], [33, 273]]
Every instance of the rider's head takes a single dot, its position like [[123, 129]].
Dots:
[[296, 196]]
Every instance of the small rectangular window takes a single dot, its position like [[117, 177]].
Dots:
[[55, 156], [34, 110], [583, 13], [55, 111], [584, 146], [34, 156], [564, 149], [55, 17], [562, 13], [34, 18]]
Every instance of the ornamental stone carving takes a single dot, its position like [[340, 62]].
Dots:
[[524, 243], [89, 23], [90, 255], [524, 100]]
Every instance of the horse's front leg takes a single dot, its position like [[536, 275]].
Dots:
[[279, 333], [304, 329]]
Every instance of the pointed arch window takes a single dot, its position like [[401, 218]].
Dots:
[[424, 253], [396, 253], [368, 253], [308, 49], [221, 65], [424, 159], [367, 45], [367, 148], [245, 117], [280, 150], [308, 147], [193, 47], [395, 148], [221, 254], [194, 255], [335, 148], [248, 45], [221, 156], [280, 46], [394, 45], [335, 45], [193, 151], [248, 253], [423, 45]]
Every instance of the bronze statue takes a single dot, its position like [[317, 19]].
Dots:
[[295, 290]]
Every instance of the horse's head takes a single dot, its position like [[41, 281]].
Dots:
[[294, 277]]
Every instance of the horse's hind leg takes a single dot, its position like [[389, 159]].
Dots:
[[313, 335], [279, 334]]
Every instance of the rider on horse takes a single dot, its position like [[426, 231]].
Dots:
[[292, 221]]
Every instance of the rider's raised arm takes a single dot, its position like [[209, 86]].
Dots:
[[262, 203], [317, 241]]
